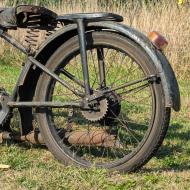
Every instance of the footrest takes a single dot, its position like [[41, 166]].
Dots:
[[91, 17]]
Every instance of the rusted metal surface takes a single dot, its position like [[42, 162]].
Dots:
[[96, 138], [34, 137]]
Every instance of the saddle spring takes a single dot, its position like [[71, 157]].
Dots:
[[32, 38]]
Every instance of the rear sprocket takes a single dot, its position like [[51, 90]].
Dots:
[[93, 115], [109, 108]]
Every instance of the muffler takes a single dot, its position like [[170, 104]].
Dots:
[[93, 138], [83, 138]]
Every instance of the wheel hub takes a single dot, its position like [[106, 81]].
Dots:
[[108, 109]]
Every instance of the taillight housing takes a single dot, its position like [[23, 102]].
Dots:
[[158, 40]]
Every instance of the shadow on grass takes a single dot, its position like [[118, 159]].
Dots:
[[24, 145], [173, 155], [172, 135], [174, 132], [168, 156], [181, 168]]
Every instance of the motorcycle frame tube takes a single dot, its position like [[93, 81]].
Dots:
[[19, 46]]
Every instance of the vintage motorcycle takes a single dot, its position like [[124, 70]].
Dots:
[[100, 91]]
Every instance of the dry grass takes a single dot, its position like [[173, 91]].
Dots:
[[170, 20], [167, 18]]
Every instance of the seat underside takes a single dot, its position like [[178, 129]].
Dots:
[[24, 16]]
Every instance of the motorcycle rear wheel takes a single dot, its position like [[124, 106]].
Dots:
[[140, 119]]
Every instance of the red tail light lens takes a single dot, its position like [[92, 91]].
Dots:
[[158, 40]]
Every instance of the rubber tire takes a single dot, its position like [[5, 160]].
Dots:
[[162, 115]]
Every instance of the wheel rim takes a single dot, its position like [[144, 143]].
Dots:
[[133, 124]]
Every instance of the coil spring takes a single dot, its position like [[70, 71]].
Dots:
[[31, 38]]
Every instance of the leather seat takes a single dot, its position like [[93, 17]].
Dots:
[[8, 18], [91, 17], [26, 15]]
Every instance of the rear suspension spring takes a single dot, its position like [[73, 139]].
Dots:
[[32, 38]]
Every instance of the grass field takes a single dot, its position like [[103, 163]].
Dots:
[[33, 167]]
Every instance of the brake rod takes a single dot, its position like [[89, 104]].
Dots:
[[151, 78], [45, 104], [134, 89]]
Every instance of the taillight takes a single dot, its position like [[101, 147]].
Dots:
[[158, 40]]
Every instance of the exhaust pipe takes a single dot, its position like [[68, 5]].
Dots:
[[33, 137], [84, 138]]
